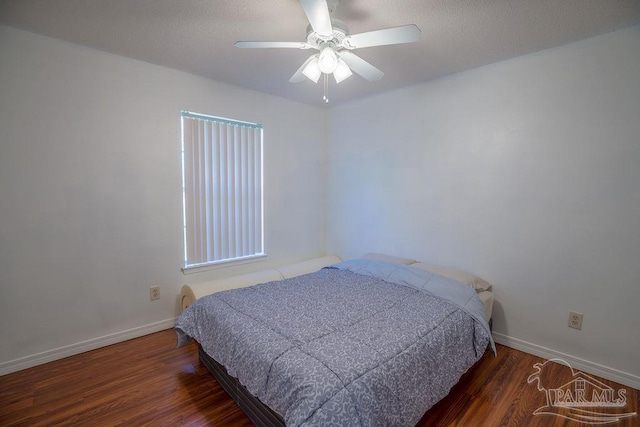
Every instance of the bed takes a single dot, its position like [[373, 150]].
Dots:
[[371, 341]]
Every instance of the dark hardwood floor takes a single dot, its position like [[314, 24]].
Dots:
[[148, 381]]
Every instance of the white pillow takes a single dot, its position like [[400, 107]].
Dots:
[[388, 258], [468, 279]]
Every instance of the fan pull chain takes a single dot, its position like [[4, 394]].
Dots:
[[326, 88]]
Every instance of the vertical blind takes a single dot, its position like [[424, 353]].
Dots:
[[222, 189]]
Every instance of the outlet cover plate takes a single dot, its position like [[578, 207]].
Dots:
[[575, 320]]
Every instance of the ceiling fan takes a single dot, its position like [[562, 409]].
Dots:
[[331, 38]]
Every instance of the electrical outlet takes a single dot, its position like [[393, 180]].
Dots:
[[575, 320], [154, 293]]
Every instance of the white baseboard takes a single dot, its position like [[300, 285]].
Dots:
[[81, 347], [587, 366], [621, 377]]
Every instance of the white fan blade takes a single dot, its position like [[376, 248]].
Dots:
[[317, 13], [396, 35], [287, 45], [298, 76], [360, 66]]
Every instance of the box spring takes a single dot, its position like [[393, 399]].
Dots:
[[259, 413]]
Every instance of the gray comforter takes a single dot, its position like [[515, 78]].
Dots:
[[359, 343]]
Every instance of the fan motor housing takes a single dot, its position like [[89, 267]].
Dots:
[[340, 31]]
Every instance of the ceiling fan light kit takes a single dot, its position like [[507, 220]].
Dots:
[[328, 60], [332, 39], [312, 70], [342, 71]]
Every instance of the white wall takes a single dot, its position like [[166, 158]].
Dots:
[[526, 172], [90, 192]]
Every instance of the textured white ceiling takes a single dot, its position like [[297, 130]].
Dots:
[[197, 36]]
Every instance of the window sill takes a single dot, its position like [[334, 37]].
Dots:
[[199, 268]]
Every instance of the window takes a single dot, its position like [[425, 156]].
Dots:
[[222, 190]]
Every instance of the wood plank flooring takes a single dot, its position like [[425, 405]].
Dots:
[[148, 381]]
